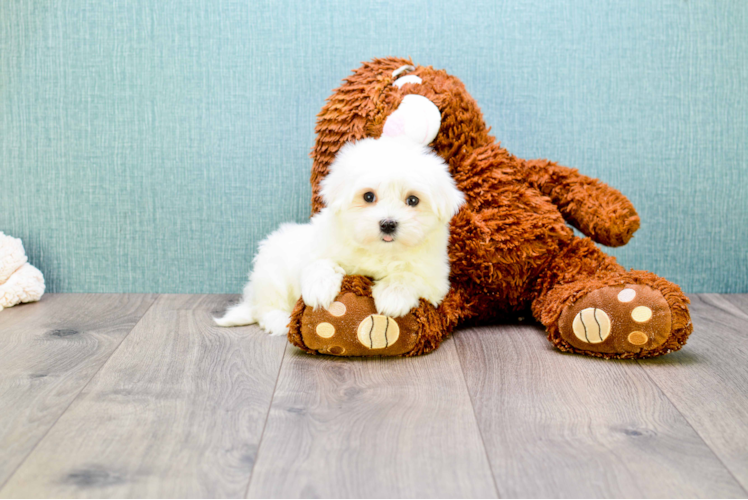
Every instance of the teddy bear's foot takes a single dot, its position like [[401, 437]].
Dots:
[[352, 327], [617, 320]]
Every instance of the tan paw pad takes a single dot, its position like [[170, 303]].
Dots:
[[627, 295], [638, 338], [591, 325], [377, 331], [337, 309], [325, 330], [641, 314]]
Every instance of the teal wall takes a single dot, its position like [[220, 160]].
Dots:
[[147, 146]]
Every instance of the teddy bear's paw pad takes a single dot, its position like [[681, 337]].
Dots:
[[352, 327], [617, 319], [378, 332]]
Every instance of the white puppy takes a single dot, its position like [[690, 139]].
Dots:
[[388, 203]]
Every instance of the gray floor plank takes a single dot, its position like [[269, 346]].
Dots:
[[738, 299], [394, 427], [49, 350], [177, 411], [708, 379], [563, 425]]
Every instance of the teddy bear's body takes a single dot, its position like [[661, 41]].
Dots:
[[510, 247]]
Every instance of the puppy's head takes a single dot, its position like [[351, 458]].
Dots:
[[390, 191]]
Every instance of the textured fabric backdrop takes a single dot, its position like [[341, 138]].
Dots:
[[148, 146]]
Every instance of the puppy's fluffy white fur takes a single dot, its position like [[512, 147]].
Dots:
[[347, 237]]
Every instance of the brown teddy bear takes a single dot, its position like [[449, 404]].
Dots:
[[510, 247]]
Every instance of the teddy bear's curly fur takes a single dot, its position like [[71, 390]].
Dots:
[[510, 247]]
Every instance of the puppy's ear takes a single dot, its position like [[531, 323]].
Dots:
[[446, 199], [335, 187], [332, 190]]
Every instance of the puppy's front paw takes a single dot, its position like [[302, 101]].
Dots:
[[320, 285], [393, 299]]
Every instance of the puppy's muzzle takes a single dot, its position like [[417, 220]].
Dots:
[[388, 226]]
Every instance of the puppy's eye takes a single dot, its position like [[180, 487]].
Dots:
[[369, 197], [412, 201]]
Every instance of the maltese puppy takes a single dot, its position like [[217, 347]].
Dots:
[[388, 203]]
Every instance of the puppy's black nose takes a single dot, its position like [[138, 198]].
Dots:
[[387, 226]]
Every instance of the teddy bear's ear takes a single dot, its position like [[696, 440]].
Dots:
[[416, 118]]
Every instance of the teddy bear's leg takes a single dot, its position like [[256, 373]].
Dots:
[[352, 327], [591, 305]]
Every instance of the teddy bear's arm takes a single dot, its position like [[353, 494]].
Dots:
[[593, 207]]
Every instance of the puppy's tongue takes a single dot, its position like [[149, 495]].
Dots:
[[387, 238]]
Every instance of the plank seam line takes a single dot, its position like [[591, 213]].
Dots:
[[662, 391], [475, 418], [10, 476], [694, 429], [264, 425], [743, 314]]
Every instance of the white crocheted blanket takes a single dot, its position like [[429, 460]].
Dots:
[[19, 280]]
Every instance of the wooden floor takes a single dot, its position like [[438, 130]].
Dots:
[[141, 396]]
